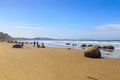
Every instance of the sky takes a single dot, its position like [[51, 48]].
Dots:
[[61, 19]]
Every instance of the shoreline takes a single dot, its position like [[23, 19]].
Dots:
[[32, 63]]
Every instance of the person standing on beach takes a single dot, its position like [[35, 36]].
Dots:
[[38, 45], [22, 44], [34, 43]]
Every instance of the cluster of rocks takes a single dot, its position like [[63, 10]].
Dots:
[[71, 44], [98, 46], [93, 51]]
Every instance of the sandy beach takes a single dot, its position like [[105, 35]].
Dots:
[[32, 63]]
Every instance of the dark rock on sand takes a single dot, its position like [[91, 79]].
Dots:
[[92, 52], [17, 46]]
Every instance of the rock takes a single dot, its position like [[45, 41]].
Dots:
[[108, 47], [17, 46], [74, 44], [83, 45], [92, 52], [67, 43], [104, 47], [90, 45], [69, 48]]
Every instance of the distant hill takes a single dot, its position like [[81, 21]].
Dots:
[[37, 38], [5, 37], [44, 38], [19, 38]]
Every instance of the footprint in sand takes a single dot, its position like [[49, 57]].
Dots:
[[92, 78]]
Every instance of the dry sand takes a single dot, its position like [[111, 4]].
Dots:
[[31, 63]]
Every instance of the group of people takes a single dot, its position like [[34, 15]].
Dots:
[[37, 44]]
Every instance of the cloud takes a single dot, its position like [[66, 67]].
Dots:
[[107, 31], [109, 27]]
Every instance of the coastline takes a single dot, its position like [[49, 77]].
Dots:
[[32, 63], [62, 44]]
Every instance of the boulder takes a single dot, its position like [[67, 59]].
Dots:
[[17, 46], [67, 43], [108, 47], [92, 52], [83, 45], [104, 47]]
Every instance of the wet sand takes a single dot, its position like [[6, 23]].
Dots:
[[32, 63]]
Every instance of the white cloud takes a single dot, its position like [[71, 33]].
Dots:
[[107, 31], [109, 27]]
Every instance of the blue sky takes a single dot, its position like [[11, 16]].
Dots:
[[72, 19]]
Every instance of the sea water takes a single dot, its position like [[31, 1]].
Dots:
[[62, 44]]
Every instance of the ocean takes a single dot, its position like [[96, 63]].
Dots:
[[62, 44]]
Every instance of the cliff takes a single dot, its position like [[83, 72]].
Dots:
[[5, 37]]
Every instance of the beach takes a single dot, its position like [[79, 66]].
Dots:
[[32, 63]]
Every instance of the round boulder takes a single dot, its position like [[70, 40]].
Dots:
[[92, 52], [83, 45]]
